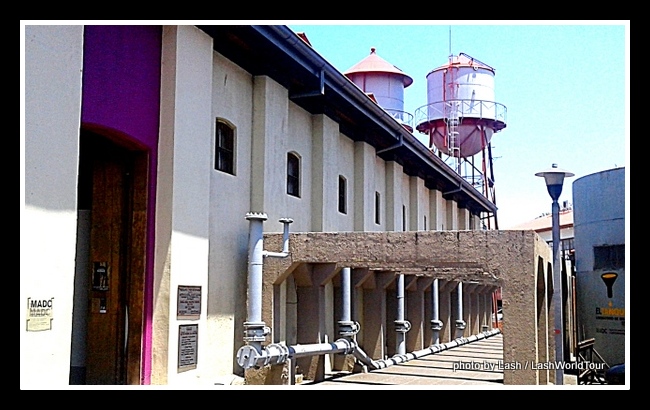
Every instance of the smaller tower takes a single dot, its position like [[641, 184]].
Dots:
[[385, 83]]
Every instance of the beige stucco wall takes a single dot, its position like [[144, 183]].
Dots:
[[489, 258], [53, 67], [183, 195]]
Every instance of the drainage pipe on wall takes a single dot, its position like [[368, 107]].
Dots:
[[401, 325], [436, 323], [460, 323]]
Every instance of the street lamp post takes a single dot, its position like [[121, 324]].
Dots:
[[554, 178]]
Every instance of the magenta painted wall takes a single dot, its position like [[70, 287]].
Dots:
[[121, 99]]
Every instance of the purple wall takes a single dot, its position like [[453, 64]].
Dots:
[[121, 100]]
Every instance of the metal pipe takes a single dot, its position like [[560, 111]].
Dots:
[[436, 323], [401, 326], [248, 356], [347, 327], [255, 329], [460, 323], [285, 241], [381, 364]]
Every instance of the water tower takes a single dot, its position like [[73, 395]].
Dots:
[[385, 83], [461, 116]]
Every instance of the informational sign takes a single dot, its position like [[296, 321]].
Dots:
[[188, 338], [39, 314], [189, 302]]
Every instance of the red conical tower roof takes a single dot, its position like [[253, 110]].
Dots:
[[375, 64]]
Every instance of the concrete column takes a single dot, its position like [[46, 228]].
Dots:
[[375, 316], [437, 211], [324, 183], [393, 198], [415, 313], [365, 189], [452, 215], [418, 204], [445, 289]]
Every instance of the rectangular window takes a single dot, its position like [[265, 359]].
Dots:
[[225, 149], [404, 218], [293, 175], [425, 222], [609, 257], [343, 206], [377, 208]]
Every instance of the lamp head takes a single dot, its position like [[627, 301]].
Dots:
[[554, 178]]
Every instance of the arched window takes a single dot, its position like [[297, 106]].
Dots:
[[293, 174], [224, 158]]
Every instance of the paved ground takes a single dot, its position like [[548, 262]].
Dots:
[[455, 366]]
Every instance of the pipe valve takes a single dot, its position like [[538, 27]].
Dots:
[[348, 328], [436, 324], [402, 326], [256, 331]]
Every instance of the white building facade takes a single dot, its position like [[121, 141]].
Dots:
[[192, 139]]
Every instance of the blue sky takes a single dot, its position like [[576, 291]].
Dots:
[[565, 85]]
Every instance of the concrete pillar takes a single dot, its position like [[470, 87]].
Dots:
[[415, 313], [365, 189], [393, 195], [375, 315], [445, 289], [437, 211], [324, 144]]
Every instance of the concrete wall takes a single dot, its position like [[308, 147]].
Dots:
[[183, 202], [53, 67], [486, 259]]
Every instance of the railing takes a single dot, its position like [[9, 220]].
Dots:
[[465, 108], [403, 117]]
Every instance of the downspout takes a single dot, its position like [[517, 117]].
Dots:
[[436, 323], [401, 325], [460, 323]]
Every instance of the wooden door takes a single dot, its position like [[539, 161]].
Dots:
[[117, 261]]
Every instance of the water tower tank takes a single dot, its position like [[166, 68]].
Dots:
[[386, 84], [461, 115]]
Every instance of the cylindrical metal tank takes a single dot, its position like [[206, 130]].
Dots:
[[599, 243], [385, 82], [461, 90]]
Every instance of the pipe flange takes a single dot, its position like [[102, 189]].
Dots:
[[436, 325], [349, 347], [256, 216], [402, 326], [276, 353], [286, 220], [460, 324], [348, 328], [248, 356], [255, 331]]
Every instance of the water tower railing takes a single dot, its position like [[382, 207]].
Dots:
[[401, 116], [481, 109]]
